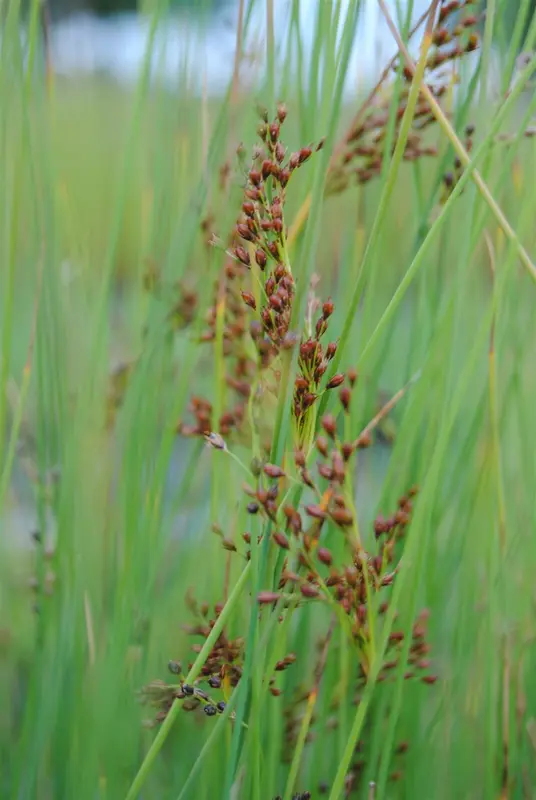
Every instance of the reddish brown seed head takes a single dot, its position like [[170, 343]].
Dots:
[[324, 555], [335, 381]]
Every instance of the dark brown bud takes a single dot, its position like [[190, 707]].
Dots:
[[260, 258], [275, 302], [267, 168], [248, 208], [309, 591], [253, 194], [275, 691], [331, 349], [228, 545], [305, 153], [306, 478], [279, 152], [329, 424], [273, 471], [294, 161], [345, 395], [268, 597], [335, 381], [274, 131], [281, 112], [325, 471], [284, 177], [308, 400], [315, 511], [249, 300], [255, 177], [299, 458], [430, 679], [242, 255], [327, 309], [322, 445], [277, 225], [364, 441], [321, 327], [252, 508], [352, 376], [472, 44], [324, 555], [347, 450], [342, 516], [281, 540]]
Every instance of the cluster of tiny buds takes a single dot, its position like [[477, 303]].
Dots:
[[261, 230], [362, 155]]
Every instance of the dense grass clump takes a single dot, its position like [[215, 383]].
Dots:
[[266, 420]]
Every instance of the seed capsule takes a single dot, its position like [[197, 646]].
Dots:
[[268, 597], [273, 471], [249, 300], [309, 591]]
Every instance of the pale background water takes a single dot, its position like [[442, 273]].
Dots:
[[83, 44]]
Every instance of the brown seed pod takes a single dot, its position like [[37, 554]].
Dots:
[[281, 540], [268, 597], [249, 299], [335, 381], [315, 511], [329, 424], [309, 591], [345, 395], [322, 445], [273, 471], [342, 516], [324, 555]]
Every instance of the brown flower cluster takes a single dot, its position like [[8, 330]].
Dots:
[[360, 158], [248, 309], [222, 670], [313, 362]]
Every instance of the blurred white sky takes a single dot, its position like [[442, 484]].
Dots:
[[84, 44]]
